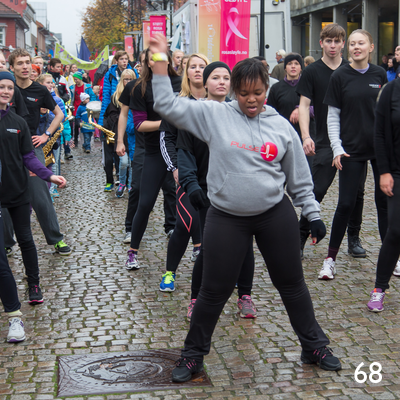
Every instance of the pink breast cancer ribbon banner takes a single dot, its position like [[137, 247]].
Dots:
[[235, 31], [158, 24]]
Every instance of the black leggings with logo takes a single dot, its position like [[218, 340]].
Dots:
[[277, 236]]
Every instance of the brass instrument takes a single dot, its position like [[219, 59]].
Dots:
[[48, 147], [94, 108]]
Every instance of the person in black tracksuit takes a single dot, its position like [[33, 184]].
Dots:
[[284, 98], [312, 88], [351, 99], [193, 158], [154, 173]]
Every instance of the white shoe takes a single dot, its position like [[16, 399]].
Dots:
[[328, 270], [16, 332], [396, 271], [127, 238]]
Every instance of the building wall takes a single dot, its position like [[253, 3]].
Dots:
[[17, 5], [10, 31], [19, 36]]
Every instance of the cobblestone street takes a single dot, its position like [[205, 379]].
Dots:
[[93, 305]]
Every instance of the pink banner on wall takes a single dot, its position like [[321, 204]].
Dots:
[[158, 24], [235, 31], [129, 46], [146, 34]]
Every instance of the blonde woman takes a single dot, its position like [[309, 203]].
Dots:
[[111, 117]]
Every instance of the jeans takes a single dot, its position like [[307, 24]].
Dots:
[[87, 137], [124, 163]]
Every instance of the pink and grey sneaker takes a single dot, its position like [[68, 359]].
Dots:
[[190, 309], [246, 307], [375, 304]]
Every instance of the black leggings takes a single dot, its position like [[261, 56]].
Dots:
[[245, 280], [108, 161], [8, 287], [154, 175], [323, 175], [350, 176], [225, 241], [390, 249], [187, 224], [21, 219]]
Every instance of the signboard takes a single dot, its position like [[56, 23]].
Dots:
[[129, 46], [235, 31], [209, 28], [158, 24], [146, 34]]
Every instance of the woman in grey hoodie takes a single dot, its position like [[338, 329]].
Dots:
[[254, 154]]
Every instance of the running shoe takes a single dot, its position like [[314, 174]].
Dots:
[[246, 307], [168, 282], [323, 357], [68, 156], [195, 254], [190, 309], [120, 191], [185, 368], [55, 193], [16, 332], [109, 187], [9, 251], [396, 271], [87, 151], [375, 303], [35, 294], [328, 270], [62, 248], [132, 261], [169, 233], [127, 238]]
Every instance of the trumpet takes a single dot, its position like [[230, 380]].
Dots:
[[94, 108], [47, 149], [109, 134]]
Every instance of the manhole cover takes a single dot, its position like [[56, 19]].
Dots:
[[121, 372]]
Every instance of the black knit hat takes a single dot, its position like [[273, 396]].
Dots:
[[293, 56], [7, 75], [210, 68]]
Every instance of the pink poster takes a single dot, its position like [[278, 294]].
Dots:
[[235, 31], [157, 24], [146, 34], [129, 46]]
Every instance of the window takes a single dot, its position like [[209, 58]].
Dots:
[[2, 36]]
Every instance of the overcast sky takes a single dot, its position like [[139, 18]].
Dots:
[[65, 17]]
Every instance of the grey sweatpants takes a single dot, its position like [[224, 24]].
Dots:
[[43, 206]]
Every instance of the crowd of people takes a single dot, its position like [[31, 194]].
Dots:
[[228, 148]]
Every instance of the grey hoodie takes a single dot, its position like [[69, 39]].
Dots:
[[240, 181]]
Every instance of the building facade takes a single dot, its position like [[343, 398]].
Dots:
[[378, 17]]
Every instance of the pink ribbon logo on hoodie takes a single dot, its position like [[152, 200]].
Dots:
[[235, 31], [269, 151]]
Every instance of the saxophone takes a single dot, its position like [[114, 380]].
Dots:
[[47, 149], [109, 134]]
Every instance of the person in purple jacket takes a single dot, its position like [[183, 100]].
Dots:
[[17, 157]]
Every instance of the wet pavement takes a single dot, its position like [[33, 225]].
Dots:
[[93, 305]]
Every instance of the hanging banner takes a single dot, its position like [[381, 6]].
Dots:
[[158, 24], [129, 46], [209, 28], [146, 34], [235, 31], [67, 58]]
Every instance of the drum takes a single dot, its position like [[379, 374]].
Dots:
[[94, 107]]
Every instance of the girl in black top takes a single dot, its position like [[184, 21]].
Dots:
[[387, 148], [351, 98], [154, 174], [16, 157]]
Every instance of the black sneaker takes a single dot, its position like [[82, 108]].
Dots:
[[323, 357], [184, 369], [62, 248], [9, 251], [68, 156], [35, 294]]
